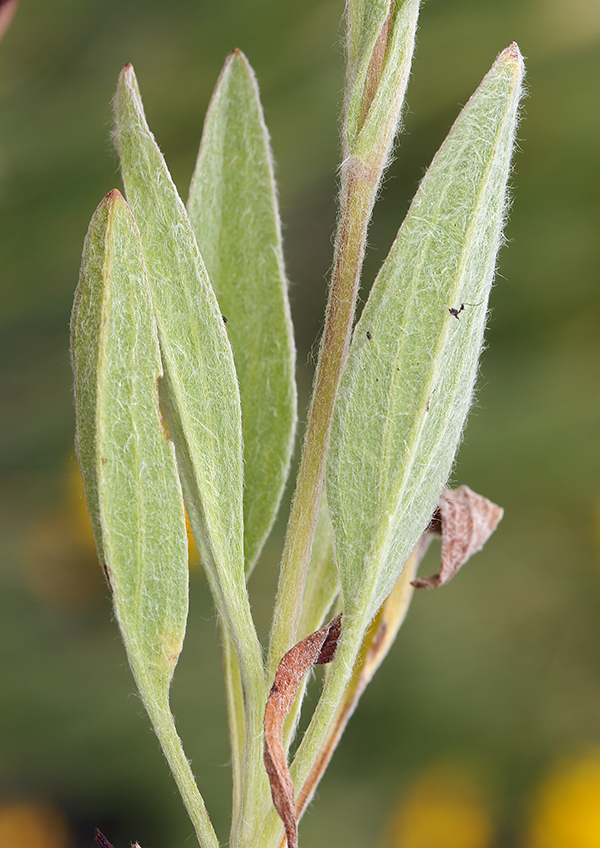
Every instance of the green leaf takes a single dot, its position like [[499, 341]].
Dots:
[[130, 473], [128, 465], [409, 378], [233, 212], [199, 393], [200, 399]]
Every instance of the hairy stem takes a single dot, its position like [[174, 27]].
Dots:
[[164, 727], [358, 195]]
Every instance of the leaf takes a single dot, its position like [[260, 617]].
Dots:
[[127, 463], [377, 641], [199, 392], [101, 839], [465, 521], [129, 471], [7, 10], [233, 212], [316, 649], [380, 45], [407, 386]]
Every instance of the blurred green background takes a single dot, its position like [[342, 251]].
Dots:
[[482, 729]]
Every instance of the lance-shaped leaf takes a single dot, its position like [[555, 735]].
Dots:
[[380, 44], [130, 473], [233, 212], [128, 465], [200, 392], [409, 379]]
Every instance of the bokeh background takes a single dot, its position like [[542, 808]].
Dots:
[[482, 729]]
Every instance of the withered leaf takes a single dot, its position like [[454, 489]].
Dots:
[[317, 649], [101, 839], [465, 521], [103, 842], [7, 10]]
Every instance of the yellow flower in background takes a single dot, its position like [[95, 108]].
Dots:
[[29, 825], [444, 809], [566, 811]]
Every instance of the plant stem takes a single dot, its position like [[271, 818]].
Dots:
[[235, 715], [164, 727], [358, 195]]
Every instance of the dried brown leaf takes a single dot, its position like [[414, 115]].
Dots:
[[7, 10], [101, 839], [103, 842], [465, 521], [316, 649]]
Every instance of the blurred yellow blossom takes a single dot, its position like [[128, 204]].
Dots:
[[29, 825], [444, 809], [566, 810]]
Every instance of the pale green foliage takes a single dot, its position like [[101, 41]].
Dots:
[[129, 466], [130, 473], [407, 385], [149, 341], [200, 394], [200, 388], [234, 215], [380, 51]]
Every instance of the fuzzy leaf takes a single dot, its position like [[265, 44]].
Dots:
[[233, 212], [128, 464], [380, 45], [199, 393], [409, 379]]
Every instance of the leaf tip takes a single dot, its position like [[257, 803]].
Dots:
[[113, 197], [512, 56]]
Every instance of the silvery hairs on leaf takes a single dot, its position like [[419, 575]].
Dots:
[[234, 214], [200, 392], [407, 386], [127, 463], [130, 472]]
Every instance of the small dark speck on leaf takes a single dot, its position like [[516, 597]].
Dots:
[[456, 312], [224, 319], [369, 336]]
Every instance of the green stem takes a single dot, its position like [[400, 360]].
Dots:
[[254, 781], [358, 195], [235, 715], [164, 727]]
